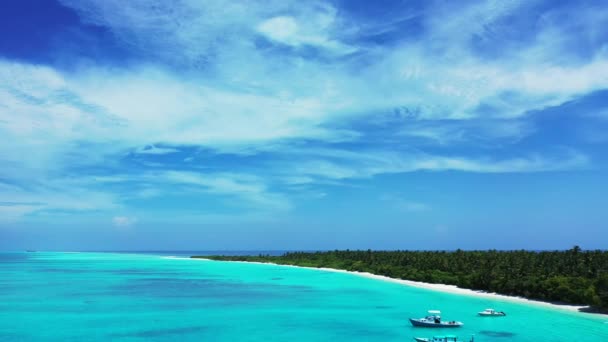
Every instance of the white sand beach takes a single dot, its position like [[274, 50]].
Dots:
[[436, 287]]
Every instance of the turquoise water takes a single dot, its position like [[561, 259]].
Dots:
[[131, 297]]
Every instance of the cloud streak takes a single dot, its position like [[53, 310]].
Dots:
[[123, 221], [249, 100]]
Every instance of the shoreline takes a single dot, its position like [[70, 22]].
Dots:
[[452, 289]]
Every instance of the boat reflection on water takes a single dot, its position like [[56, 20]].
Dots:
[[442, 338]]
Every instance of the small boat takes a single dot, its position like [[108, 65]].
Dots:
[[491, 313], [433, 320], [443, 338]]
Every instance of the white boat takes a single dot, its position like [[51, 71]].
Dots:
[[491, 313], [433, 320]]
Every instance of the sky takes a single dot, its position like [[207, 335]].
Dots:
[[275, 125]]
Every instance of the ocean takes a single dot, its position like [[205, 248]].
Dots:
[[56, 296]]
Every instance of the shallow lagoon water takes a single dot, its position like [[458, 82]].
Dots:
[[134, 297]]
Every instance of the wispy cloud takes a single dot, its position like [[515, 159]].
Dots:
[[405, 205], [156, 150], [58, 197], [123, 221], [312, 27], [286, 94], [251, 189]]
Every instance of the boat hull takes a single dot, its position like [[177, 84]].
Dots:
[[419, 323], [492, 315]]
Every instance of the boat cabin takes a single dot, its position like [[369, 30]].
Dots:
[[434, 316]]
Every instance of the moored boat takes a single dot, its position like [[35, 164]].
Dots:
[[491, 313], [433, 320]]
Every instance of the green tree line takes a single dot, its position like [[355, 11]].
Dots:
[[573, 276]]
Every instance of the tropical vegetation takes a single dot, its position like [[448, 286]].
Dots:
[[573, 276]]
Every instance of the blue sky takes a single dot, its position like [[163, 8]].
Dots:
[[303, 125]]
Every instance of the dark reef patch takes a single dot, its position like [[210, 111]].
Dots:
[[504, 334], [160, 332]]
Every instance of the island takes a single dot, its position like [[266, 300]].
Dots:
[[572, 276]]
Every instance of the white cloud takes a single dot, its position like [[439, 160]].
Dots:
[[156, 150], [251, 189], [236, 98], [55, 196], [413, 206], [12, 213], [533, 163], [273, 97], [342, 165], [476, 18], [199, 33], [123, 221], [478, 132], [153, 103], [441, 70], [311, 28], [282, 29], [246, 190], [401, 204]]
